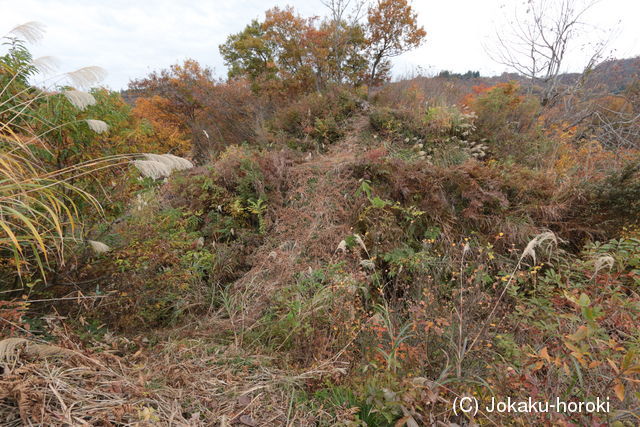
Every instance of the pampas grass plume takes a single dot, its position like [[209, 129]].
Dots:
[[360, 242], [30, 31], [45, 64], [602, 262], [98, 126], [86, 77], [547, 236], [79, 99], [161, 165], [174, 162], [152, 169]]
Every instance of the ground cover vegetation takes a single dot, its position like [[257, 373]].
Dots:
[[339, 249]]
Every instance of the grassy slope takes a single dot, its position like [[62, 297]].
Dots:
[[289, 336]]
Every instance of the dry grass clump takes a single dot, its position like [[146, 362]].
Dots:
[[309, 211], [49, 385], [314, 121], [229, 385], [416, 92], [12, 348], [490, 197]]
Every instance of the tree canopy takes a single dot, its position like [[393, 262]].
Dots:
[[294, 54]]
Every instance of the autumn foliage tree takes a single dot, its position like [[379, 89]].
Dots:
[[287, 53], [392, 29], [170, 100], [191, 111], [166, 126]]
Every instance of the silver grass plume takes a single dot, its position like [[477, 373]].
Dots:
[[360, 242], [466, 248], [602, 262], [367, 264], [174, 162], [45, 64], [12, 348], [79, 99], [86, 77], [98, 126], [98, 247], [161, 165], [152, 169], [140, 202], [31, 31], [547, 236]]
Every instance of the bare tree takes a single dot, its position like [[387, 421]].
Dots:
[[617, 119], [344, 17], [620, 131], [339, 9], [537, 42]]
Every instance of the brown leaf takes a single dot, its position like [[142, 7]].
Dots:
[[538, 365], [247, 420], [244, 400], [544, 354], [619, 389]]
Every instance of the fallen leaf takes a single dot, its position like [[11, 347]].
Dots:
[[619, 389], [244, 400], [247, 420]]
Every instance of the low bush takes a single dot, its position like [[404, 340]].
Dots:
[[507, 120], [315, 120]]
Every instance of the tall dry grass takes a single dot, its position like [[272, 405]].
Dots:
[[39, 207]]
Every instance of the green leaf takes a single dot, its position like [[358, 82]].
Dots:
[[584, 300]]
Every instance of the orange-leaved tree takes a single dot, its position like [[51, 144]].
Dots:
[[191, 111], [392, 29], [168, 131], [290, 54], [171, 101]]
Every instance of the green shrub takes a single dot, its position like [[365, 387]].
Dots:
[[616, 198], [315, 120], [396, 124], [508, 121], [302, 315]]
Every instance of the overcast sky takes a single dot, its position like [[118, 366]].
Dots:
[[130, 38]]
